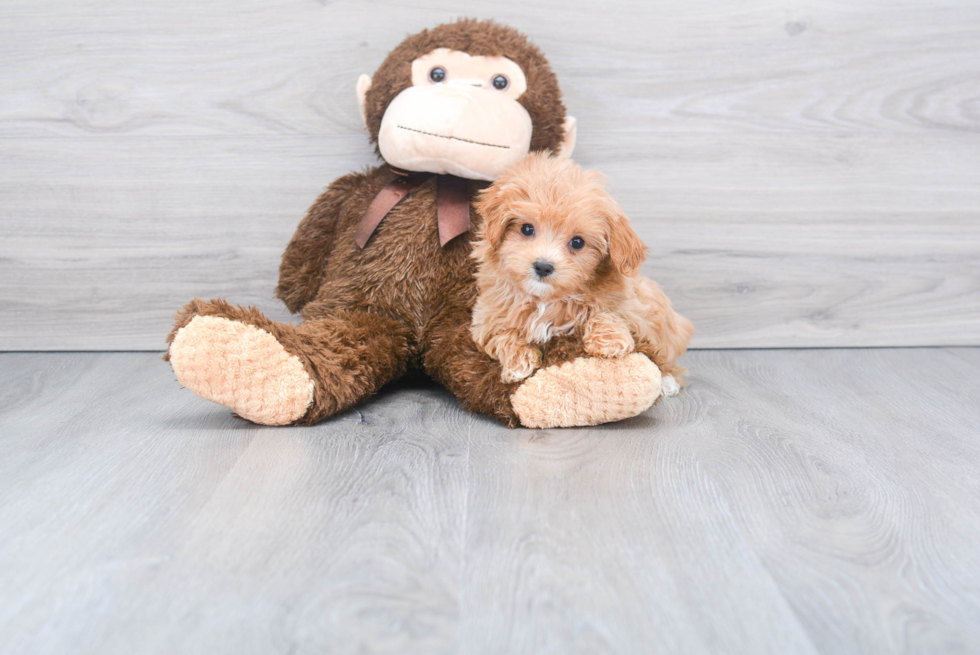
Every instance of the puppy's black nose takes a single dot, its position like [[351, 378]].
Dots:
[[543, 268]]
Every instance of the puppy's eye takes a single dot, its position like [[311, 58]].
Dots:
[[499, 82], [528, 230], [577, 243], [437, 74]]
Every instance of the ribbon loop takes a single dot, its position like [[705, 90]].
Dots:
[[452, 206], [384, 202]]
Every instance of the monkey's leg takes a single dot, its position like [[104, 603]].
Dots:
[[454, 359], [275, 373], [570, 389]]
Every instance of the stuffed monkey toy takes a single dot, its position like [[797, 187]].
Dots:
[[380, 268]]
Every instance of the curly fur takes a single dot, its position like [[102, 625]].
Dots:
[[531, 215]]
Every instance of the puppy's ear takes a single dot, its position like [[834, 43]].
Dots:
[[626, 250], [490, 205]]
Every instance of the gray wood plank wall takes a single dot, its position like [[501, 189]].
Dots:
[[806, 173]]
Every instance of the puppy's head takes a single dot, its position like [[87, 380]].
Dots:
[[552, 229]]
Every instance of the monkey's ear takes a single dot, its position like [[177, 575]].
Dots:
[[626, 249], [568, 142], [363, 84]]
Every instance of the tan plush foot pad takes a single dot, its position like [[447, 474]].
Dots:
[[243, 368], [587, 391]]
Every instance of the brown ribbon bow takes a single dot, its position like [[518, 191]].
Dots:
[[452, 205]]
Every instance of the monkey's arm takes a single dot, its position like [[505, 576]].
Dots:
[[302, 264]]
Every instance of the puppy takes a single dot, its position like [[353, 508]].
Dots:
[[557, 255]]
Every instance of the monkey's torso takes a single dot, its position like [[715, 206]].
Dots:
[[402, 273]]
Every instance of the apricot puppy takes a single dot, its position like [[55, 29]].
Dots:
[[556, 254]]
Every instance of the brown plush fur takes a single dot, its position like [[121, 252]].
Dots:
[[532, 215], [403, 302]]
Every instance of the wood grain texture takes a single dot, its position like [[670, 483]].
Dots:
[[814, 501], [805, 172]]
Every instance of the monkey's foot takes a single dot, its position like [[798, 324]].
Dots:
[[243, 368], [587, 391]]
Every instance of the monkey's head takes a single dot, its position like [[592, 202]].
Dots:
[[467, 98]]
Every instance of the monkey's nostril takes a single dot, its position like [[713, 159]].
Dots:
[[543, 268]]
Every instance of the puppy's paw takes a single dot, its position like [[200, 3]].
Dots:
[[609, 341], [519, 364], [669, 386]]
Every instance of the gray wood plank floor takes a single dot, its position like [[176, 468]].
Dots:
[[817, 501]]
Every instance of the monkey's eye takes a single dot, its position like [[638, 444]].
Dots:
[[499, 82], [437, 74], [577, 243], [527, 230]]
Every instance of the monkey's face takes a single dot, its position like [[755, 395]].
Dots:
[[460, 116]]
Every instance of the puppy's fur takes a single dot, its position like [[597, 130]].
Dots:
[[593, 289]]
